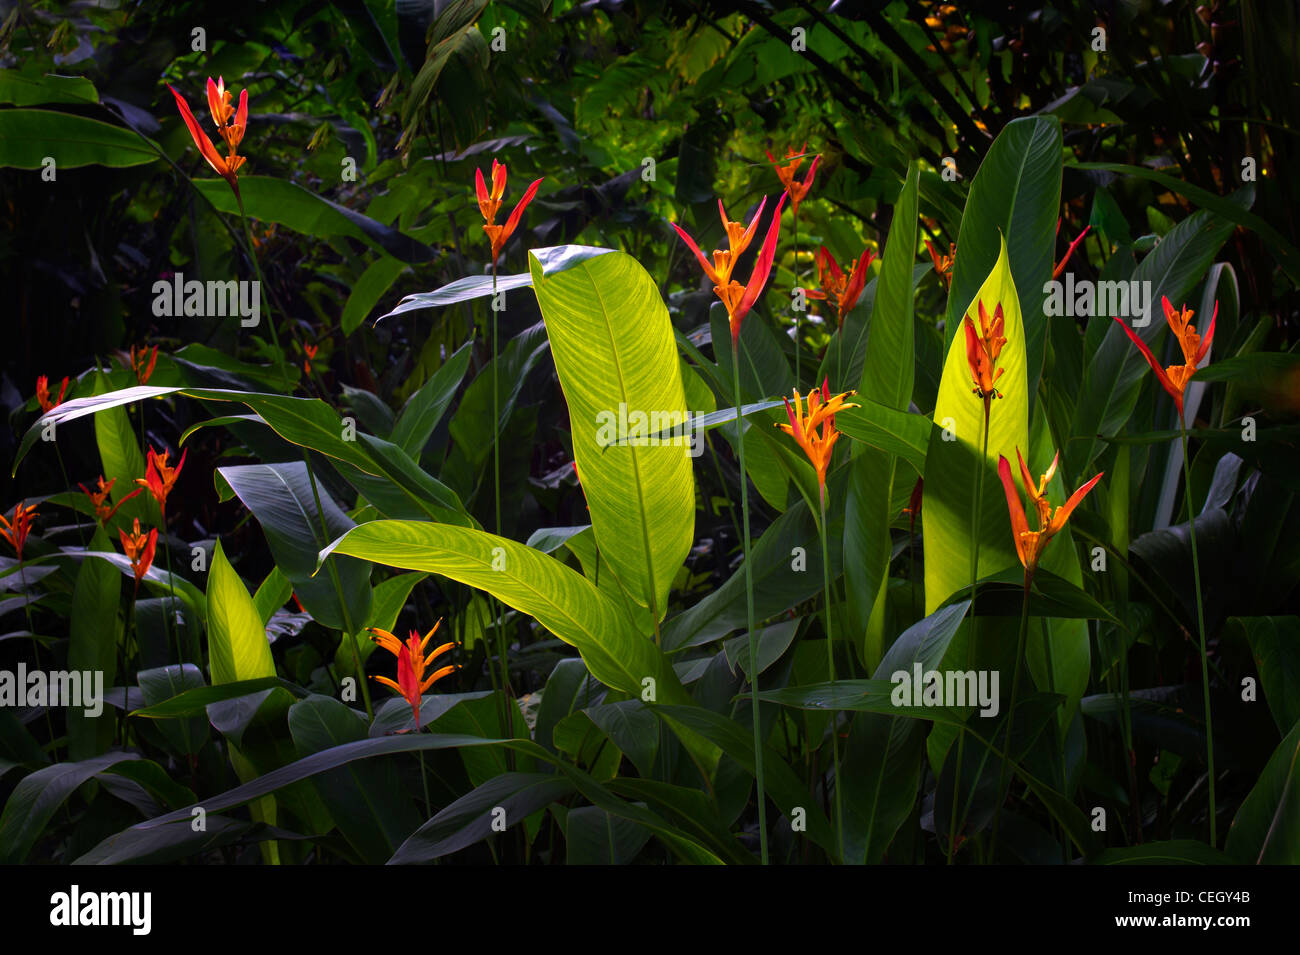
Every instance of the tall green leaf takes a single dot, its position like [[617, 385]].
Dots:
[[615, 355], [887, 379], [1014, 202], [955, 451]]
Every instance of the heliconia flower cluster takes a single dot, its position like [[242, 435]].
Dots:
[[1031, 544], [230, 123], [1175, 379], [844, 289], [489, 202], [411, 682], [812, 425]]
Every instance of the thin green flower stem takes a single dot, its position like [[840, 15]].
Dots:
[[428, 805], [172, 628], [503, 656], [749, 606], [496, 420], [797, 368], [1200, 625], [976, 506], [261, 281], [1003, 782], [830, 666], [351, 635]]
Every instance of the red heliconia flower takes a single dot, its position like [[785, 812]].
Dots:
[[982, 350], [797, 191], [159, 479], [139, 549], [913, 509], [43, 394], [1175, 379], [943, 263], [1031, 544], [844, 289], [311, 353], [737, 298], [411, 682], [16, 532], [143, 361], [103, 512], [231, 124], [1060, 266], [490, 202]]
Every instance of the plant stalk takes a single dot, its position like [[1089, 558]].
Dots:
[[749, 605], [976, 507], [1200, 626], [830, 665]]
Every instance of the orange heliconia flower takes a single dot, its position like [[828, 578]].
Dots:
[[844, 289], [737, 298], [943, 263], [231, 124], [43, 394], [982, 350], [16, 532], [311, 353], [797, 191], [411, 682], [1060, 266], [490, 202], [1175, 379], [1031, 544], [159, 479], [821, 408], [139, 549], [143, 361], [103, 512]]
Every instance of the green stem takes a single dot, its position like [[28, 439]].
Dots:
[[1003, 782], [830, 666], [796, 311], [976, 506], [503, 656], [171, 587], [261, 281], [428, 806], [749, 606], [1200, 625]]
